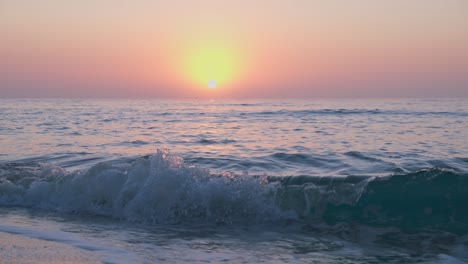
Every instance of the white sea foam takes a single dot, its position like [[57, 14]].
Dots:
[[160, 188]]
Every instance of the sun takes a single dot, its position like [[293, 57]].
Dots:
[[211, 84], [211, 65]]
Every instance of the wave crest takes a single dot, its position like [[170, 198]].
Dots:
[[158, 188], [163, 189]]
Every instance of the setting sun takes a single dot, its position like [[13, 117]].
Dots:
[[211, 65]]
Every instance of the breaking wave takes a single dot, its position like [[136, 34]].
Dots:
[[163, 189]]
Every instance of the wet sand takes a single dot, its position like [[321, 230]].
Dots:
[[17, 249]]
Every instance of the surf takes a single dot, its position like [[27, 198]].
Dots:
[[162, 188]]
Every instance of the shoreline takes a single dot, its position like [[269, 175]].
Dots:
[[18, 249]]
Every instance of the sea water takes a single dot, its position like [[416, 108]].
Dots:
[[197, 181]]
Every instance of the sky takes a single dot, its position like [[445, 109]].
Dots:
[[242, 48]]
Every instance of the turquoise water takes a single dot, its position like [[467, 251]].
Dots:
[[317, 181]]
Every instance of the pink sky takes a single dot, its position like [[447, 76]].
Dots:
[[279, 49]]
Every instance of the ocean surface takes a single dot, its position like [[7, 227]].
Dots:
[[224, 181]]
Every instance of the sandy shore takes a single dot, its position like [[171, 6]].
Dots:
[[17, 249]]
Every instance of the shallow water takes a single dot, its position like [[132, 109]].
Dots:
[[319, 181], [114, 241]]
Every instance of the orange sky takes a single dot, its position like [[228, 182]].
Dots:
[[297, 48]]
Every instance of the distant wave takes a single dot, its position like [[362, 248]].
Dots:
[[206, 141], [161, 188], [357, 112]]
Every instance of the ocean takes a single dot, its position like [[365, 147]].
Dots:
[[234, 181]]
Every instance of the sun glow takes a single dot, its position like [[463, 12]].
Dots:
[[211, 65]]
